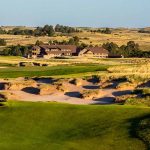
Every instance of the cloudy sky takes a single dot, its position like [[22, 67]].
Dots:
[[95, 13]]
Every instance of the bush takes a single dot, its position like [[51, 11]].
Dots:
[[138, 101], [124, 85], [123, 98], [90, 94]]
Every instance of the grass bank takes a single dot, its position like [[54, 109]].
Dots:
[[28, 126]]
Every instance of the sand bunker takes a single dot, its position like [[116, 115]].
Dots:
[[72, 91]]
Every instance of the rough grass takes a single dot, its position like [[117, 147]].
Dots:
[[118, 36], [28, 126]]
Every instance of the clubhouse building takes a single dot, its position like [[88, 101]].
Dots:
[[52, 51]]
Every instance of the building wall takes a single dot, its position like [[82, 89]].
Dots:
[[90, 54], [101, 55], [48, 56]]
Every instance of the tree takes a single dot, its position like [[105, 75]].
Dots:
[[82, 46], [65, 29], [2, 31], [113, 48], [24, 50], [48, 30], [5, 52], [16, 51], [107, 31], [74, 41], [39, 43], [3, 42], [132, 49]]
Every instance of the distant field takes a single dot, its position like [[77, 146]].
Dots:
[[44, 126], [119, 36]]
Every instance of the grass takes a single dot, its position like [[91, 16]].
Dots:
[[14, 72], [28, 126], [120, 36], [143, 130]]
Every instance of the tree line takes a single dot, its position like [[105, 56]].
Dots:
[[131, 49], [17, 50], [103, 31], [47, 30], [144, 31]]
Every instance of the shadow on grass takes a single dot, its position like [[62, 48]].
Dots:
[[135, 126]]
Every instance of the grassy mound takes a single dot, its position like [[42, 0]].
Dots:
[[29, 126]]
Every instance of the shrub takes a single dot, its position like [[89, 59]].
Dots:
[[124, 85], [138, 101], [90, 94], [123, 98]]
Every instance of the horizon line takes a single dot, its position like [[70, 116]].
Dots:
[[35, 26]]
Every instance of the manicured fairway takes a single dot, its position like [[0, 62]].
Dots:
[[50, 126], [14, 72]]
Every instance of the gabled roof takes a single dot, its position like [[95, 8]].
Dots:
[[95, 50], [98, 50]]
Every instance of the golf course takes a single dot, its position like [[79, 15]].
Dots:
[[27, 125]]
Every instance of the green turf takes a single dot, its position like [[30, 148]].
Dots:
[[50, 126], [14, 72], [143, 130]]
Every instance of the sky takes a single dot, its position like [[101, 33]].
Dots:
[[85, 13]]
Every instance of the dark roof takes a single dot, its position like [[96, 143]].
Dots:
[[72, 48], [98, 50]]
